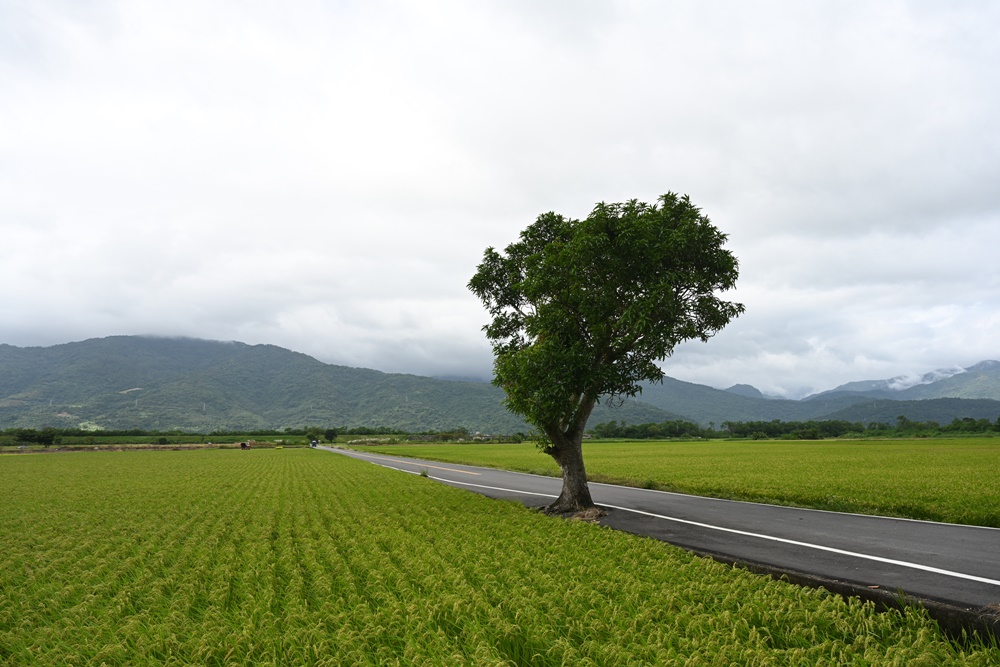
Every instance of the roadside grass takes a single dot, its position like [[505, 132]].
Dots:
[[951, 480], [280, 557]]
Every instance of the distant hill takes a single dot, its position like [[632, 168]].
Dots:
[[972, 392], [745, 390], [940, 410], [126, 382], [706, 405], [977, 382], [981, 381], [149, 383]]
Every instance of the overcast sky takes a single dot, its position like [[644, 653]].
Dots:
[[325, 176]]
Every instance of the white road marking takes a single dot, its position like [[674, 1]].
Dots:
[[421, 465], [808, 545], [494, 488], [799, 509]]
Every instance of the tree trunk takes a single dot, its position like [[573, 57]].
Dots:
[[575, 496]]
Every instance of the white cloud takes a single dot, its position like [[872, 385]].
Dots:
[[326, 177]]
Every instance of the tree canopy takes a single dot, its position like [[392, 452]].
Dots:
[[583, 309]]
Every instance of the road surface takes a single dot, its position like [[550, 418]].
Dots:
[[953, 570]]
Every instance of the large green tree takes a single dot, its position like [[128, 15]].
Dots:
[[583, 309]]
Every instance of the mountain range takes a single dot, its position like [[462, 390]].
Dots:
[[150, 383]]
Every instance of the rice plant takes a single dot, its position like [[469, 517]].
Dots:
[[299, 557]]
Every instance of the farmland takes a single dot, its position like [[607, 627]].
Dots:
[[277, 557], [952, 480]]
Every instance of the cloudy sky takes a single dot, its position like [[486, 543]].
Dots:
[[325, 175]]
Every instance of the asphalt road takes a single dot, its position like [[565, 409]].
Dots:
[[950, 568]]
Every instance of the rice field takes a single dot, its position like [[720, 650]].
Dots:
[[952, 480], [301, 557]]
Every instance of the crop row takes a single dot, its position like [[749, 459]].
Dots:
[[280, 557]]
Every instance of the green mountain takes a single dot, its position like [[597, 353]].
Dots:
[[126, 382], [706, 405], [133, 382], [981, 381], [973, 392], [940, 410]]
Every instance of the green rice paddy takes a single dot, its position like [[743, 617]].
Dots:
[[302, 557]]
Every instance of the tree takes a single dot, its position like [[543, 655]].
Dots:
[[330, 434], [582, 309]]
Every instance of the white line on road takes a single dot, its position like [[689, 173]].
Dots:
[[820, 547], [797, 509], [494, 488], [422, 465]]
